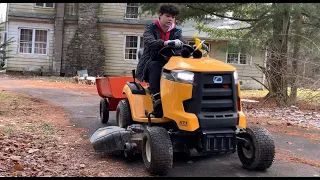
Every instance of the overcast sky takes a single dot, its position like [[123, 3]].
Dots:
[[3, 8]]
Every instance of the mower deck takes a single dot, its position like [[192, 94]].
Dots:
[[114, 138]]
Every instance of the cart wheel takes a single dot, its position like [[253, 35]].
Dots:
[[258, 150], [104, 111], [157, 151], [124, 118]]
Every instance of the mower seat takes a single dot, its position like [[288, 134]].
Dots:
[[140, 52]]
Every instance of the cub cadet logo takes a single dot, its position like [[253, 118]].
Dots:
[[217, 79], [183, 123]]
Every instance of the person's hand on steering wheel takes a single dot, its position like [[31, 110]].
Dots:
[[177, 43]]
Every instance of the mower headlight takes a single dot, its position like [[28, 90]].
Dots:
[[235, 76], [179, 76]]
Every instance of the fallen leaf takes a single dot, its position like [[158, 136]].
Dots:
[[18, 167], [14, 174]]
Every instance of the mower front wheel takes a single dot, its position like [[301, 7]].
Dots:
[[256, 150], [104, 111], [124, 118], [157, 150]]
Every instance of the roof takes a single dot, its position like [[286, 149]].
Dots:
[[189, 29]]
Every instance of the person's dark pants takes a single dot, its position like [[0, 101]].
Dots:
[[154, 70]]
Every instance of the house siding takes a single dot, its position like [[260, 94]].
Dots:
[[113, 39], [19, 61], [113, 28], [245, 71], [29, 7], [117, 11]]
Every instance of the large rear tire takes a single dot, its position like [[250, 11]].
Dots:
[[124, 118], [157, 151], [258, 151], [104, 111]]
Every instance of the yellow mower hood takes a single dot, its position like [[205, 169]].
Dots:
[[204, 64]]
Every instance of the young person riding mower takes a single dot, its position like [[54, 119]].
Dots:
[[192, 102]]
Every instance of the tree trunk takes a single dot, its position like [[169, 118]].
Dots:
[[296, 49], [278, 60]]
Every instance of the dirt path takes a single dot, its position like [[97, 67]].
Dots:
[[81, 103]]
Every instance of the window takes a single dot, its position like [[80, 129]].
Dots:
[[33, 41], [238, 58], [72, 8], [3, 37], [132, 45], [45, 5], [132, 11]]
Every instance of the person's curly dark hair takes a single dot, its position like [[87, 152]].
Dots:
[[169, 9]]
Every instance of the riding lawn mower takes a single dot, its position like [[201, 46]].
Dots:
[[200, 110]]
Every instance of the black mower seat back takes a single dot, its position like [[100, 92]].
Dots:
[[140, 52]]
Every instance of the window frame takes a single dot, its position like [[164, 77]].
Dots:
[[4, 36], [125, 12], [138, 46], [72, 9], [33, 41], [44, 6], [238, 63]]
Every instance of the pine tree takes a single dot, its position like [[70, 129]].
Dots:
[[285, 30], [4, 51]]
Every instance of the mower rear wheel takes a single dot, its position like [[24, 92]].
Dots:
[[257, 151], [157, 151], [124, 118], [104, 111]]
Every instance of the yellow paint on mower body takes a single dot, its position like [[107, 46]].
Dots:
[[173, 94]]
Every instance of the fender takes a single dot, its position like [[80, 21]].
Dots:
[[139, 103], [136, 88]]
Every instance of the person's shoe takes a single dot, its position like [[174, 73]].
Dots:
[[157, 105]]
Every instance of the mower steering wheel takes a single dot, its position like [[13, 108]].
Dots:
[[168, 51]]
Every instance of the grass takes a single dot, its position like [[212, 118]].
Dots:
[[47, 128], [303, 95], [9, 113], [8, 129], [253, 93], [41, 78], [5, 96]]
